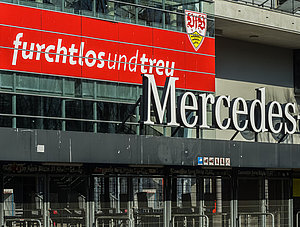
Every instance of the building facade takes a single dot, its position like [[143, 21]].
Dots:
[[149, 113]]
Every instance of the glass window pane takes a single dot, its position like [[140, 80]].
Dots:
[[51, 84], [5, 103], [115, 111], [6, 80], [29, 105], [79, 109], [81, 126], [5, 121], [51, 107], [27, 82], [27, 122]]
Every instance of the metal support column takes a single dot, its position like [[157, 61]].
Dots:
[[234, 201], [91, 201], [219, 195], [1, 201], [46, 205], [95, 107], [14, 102], [106, 192], [200, 197], [174, 192], [167, 201], [130, 201], [291, 202], [63, 106], [262, 201], [164, 14]]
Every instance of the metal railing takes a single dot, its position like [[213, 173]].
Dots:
[[288, 6], [297, 219], [190, 215], [148, 219], [113, 218], [25, 220], [257, 214]]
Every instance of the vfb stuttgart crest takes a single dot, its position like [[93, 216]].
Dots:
[[196, 24]]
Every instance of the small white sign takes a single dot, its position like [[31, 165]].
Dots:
[[40, 148], [222, 161], [211, 161], [227, 161], [205, 161], [217, 161], [8, 191]]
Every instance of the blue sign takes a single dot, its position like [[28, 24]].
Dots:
[[200, 160]]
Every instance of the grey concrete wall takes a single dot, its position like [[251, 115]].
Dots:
[[259, 16], [85, 147], [251, 62]]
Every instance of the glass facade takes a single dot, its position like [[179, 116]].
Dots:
[[57, 103]]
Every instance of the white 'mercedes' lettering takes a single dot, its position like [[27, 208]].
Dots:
[[258, 111], [204, 100], [192, 112], [168, 99], [274, 111], [290, 125], [217, 112], [239, 108], [190, 108]]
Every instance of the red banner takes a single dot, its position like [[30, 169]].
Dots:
[[54, 43]]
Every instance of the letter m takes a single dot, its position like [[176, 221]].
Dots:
[[168, 100]]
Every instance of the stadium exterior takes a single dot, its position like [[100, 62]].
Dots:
[[149, 113]]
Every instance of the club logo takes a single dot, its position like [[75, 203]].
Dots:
[[196, 24]]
